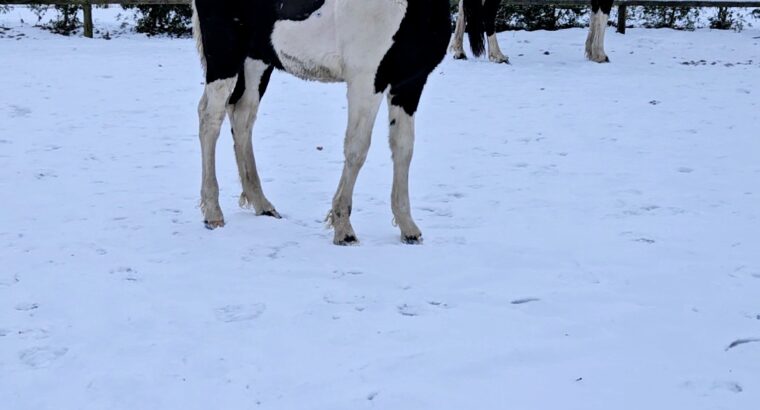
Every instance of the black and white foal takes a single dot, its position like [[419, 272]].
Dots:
[[377, 47], [479, 17]]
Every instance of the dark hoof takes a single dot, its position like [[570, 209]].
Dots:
[[273, 213], [505, 61], [460, 57], [211, 225], [412, 240], [348, 240], [606, 59]]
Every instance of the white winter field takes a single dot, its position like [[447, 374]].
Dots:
[[591, 234]]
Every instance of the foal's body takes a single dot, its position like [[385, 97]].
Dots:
[[485, 16], [377, 47]]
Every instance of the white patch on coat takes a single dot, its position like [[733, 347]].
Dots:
[[340, 40], [595, 39]]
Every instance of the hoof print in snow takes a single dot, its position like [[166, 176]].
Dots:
[[128, 274], [438, 304], [685, 170], [372, 395], [9, 280], [645, 240], [730, 386], [341, 273], [40, 357], [239, 313], [738, 342], [654, 102], [25, 307], [524, 301], [36, 334], [406, 310]]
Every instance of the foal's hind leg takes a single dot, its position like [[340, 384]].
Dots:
[[402, 147], [211, 115], [363, 103], [597, 27], [490, 8], [242, 115], [457, 41]]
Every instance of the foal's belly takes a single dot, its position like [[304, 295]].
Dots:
[[309, 48], [340, 40]]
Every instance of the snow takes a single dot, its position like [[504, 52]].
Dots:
[[590, 235]]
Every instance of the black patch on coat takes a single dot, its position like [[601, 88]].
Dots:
[[490, 7], [605, 5], [265, 81], [297, 10], [473, 17], [237, 94], [239, 90], [232, 30], [418, 47], [223, 34]]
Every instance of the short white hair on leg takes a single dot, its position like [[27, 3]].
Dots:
[[457, 40], [401, 140], [211, 111], [494, 51], [595, 40]]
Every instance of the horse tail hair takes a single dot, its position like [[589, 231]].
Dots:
[[473, 16], [198, 36]]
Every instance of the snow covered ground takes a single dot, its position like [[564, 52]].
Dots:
[[591, 235]]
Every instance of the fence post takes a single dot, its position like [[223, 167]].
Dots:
[[621, 18], [88, 27]]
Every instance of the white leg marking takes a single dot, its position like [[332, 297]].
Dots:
[[402, 147], [494, 51], [242, 116], [595, 39], [211, 115], [457, 47], [363, 104]]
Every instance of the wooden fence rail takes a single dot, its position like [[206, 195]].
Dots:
[[622, 5]]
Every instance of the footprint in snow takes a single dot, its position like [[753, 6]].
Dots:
[[126, 273], [36, 334], [407, 310], [25, 307], [730, 386], [524, 301], [41, 356], [239, 313]]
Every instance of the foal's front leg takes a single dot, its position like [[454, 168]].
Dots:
[[242, 115], [597, 28], [402, 147], [363, 103], [211, 111]]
